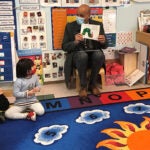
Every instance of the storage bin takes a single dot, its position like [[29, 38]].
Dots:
[[118, 79]]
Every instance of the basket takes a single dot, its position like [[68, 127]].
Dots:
[[118, 79]]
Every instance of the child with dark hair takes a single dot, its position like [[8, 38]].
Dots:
[[26, 105], [4, 105]]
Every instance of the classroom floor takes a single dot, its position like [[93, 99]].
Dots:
[[59, 89]]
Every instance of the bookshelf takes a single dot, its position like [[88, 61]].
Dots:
[[129, 61], [144, 38]]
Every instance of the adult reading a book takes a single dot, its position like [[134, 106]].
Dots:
[[84, 53]]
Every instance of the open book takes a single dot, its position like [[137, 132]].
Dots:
[[90, 31]]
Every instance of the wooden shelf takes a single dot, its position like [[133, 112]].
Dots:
[[143, 37], [129, 62]]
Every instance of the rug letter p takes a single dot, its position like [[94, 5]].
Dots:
[[141, 93]]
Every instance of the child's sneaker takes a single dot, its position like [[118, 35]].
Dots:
[[31, 116]]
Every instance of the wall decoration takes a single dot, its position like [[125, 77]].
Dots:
[[28, 1], [111, 2], [32, 30], [59, 19], [109, 20], [8, 40], [36, 56], [111, 38], [71, 3], [6, 70], [125, 2], [48, 3], [93, 3], [53, 65], [124, 39], [7, 16]]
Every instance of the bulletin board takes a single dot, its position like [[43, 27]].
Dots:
[[53, 65], [8, 38], [6, 70], [32, 29]]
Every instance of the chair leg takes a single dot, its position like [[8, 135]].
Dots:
[[102, 74], [77, 80]]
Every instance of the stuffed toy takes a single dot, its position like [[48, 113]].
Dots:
[[4, 105]]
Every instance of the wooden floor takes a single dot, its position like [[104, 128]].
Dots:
[[59, 89]]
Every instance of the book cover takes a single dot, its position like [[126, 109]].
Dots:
[[90, 31], [134, 77]]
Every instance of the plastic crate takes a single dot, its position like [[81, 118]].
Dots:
[[118, 79]]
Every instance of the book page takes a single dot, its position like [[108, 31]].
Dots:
[[90, 31]]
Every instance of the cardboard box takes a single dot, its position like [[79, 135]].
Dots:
[[129, 61]]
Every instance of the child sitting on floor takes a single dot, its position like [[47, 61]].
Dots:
[[4, 105], [25, 87]]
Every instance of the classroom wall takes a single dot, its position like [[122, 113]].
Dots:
[[127, 17], [126, 21]]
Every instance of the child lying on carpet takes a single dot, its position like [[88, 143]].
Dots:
[[26, 105], [4, 105]]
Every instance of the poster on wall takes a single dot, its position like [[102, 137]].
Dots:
[[53, 65], [48, 3], [93, 3], [111, 2], [109, 20], [36, 56], [6, 65], [32, 30], [111, 38], [7, 16], [125, 2], [124, 39], [28, 1], [70, 3], [59, 20]]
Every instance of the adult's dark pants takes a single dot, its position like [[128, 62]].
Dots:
[[83, 60]]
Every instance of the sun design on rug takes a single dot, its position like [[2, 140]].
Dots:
[[130, 137]]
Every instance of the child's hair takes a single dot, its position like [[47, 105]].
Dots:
[[23, 66]]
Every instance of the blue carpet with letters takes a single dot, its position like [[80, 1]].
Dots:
[[95, 123]]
